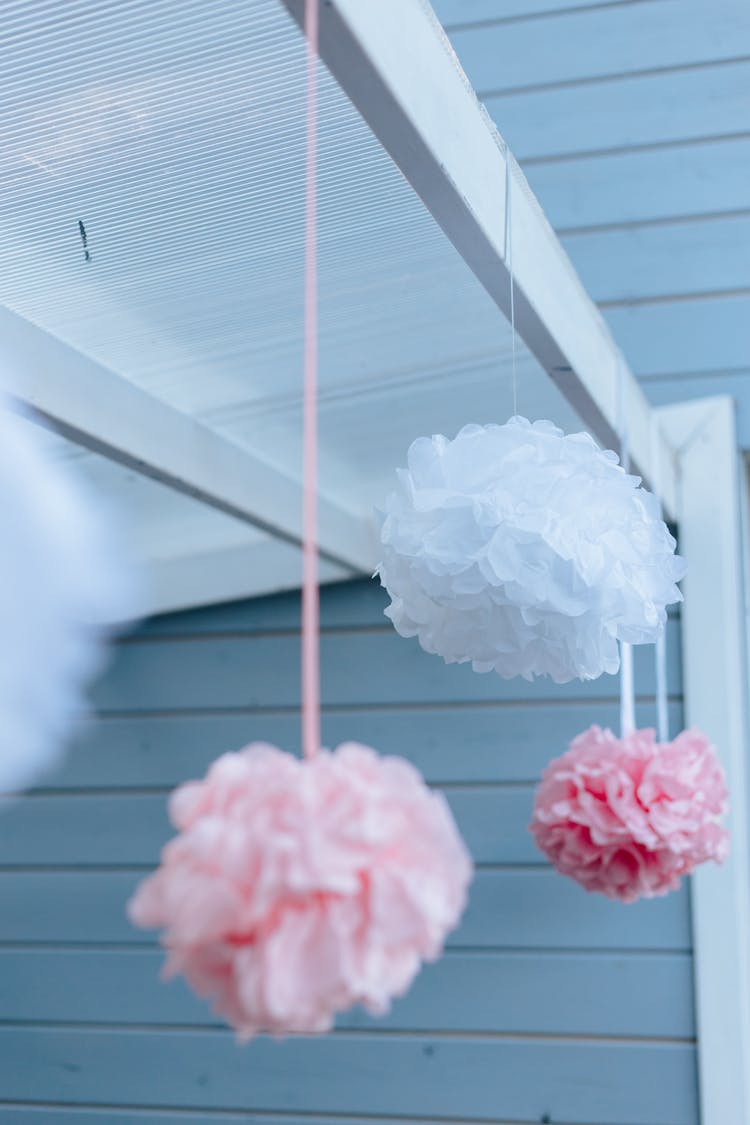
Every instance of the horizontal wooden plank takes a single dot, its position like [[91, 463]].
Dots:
[[253, 672], [620, 112], [614, 39], [99, 830], [342, 605], [684, 336], [451, 12], [640, 263], [85, 1115], [678, 389], [514, 993], [634, 1084], [490, 743], [632, 187], [35, 1114], [531, 908], [360, 602], [538, 909]]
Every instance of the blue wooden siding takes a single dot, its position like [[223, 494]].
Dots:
[[547, 1002], [631, 119]]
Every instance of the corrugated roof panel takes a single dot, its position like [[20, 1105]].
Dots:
[[152, 217]]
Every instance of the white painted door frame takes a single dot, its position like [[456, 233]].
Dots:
[[712, 506]]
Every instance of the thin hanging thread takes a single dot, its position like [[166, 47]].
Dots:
[[627, 684], [662, 707], [660, 649], [310, 587], [509, 261]]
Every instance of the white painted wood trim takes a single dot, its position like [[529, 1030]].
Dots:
[[396, 64], [106, 413], [204, 578], [710, 499]]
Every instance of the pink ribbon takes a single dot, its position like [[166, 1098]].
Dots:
[[310, 587]]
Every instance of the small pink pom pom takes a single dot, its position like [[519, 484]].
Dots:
[[296, 889], [629, 817]]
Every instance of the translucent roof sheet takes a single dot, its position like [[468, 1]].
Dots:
[[172, 135]]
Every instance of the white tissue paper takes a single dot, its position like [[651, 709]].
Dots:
[[527, 551]]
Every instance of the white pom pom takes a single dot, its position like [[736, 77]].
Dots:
[[525, 551], [61, 585]]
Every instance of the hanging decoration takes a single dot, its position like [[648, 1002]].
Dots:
[[63, 586], [630, 816], [296, 889], [660, 650], [525, 551]]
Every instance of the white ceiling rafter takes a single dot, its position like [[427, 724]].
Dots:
[[227, 574], [396, 64], [104, 412]]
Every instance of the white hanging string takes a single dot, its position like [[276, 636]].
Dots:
[[662, 706], [509, 261], [627, 683]]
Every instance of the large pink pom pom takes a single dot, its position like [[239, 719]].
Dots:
[[628, 817], [298, 888]]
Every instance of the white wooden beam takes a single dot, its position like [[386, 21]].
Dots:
[[228, 574], [710, 502], [394, 61], [104, 412]]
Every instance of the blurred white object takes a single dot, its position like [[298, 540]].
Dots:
[[63, 588]]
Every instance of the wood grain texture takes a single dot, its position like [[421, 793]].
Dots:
[[632, 123], [132, 829], [517, 908], [660, 261], [511, 992], [366, 668], [98, 830], [469, 743], [451, 12], [587, 1082], [684, 336], [26, 1114], [632, 110], [541, 979], [613, 39], [635, 187], [344, 605]]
